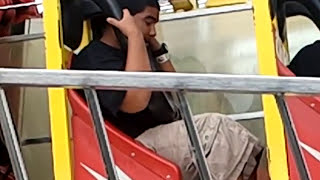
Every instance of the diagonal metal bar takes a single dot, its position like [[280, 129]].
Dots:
[[101, 132], [197, 149], [21, 38], [292, 137], [11, 139]]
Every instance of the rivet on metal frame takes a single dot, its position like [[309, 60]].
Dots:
[[133, 154]]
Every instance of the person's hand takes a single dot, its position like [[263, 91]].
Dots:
[[154, 44], [126, 25]]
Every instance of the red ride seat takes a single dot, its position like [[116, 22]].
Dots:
[[3, 172], [305, 113], [133, 159], [15, 16]]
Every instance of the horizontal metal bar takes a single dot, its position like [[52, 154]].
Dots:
[[192, 82], [247, 116], [14, 6], [19, 38], [205, 12], [36, 141]]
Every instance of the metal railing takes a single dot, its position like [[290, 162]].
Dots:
[[11, 139], [163, 18], [191, 82], [179, 82], [206, 12], [21, 38]]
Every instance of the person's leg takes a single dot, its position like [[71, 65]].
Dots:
[[229, 148], [171, 142], [234, 150], [261, 171]]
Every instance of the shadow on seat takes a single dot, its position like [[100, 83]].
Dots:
[[133, 159]]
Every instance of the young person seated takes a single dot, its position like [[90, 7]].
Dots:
[[232, 152]]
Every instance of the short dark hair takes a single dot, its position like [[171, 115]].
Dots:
[[98, 23], [136, 6]]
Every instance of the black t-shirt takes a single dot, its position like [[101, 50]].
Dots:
[[100, 56], [307, 61]]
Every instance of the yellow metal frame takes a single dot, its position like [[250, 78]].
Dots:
[[57, 96], [278, 167]]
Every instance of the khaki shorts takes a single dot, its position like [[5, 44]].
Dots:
[[230, 149]]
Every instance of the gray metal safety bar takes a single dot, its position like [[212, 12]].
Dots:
[[179, 82], [251, 84]]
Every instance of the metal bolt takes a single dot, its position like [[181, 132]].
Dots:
[[133, 154]]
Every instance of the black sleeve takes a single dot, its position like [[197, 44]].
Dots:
[[110, 100], [306, 62], [98, 56], [95, 58]]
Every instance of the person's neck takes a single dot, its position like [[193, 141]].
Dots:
[[110, 38]]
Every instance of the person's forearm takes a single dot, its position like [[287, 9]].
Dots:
[[137, 60], [137, 57]]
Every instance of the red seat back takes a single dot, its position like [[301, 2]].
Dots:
[[305, 113], [3, 171], [133, 159]]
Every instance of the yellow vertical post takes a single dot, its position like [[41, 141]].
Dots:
[[57, 96], [278, 167]]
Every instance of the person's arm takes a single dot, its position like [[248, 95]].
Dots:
[[137, 60], [166, 66]]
